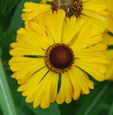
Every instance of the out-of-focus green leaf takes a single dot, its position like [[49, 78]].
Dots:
[[12, 4], [0, 51], [52, 110], [20, 111], [111, 110], [6, 100], [16, 21], [1, 31], [1, 111], [3, 6], [5, 46], [8, 38], [68, 109], [6, 6], [96, 102]]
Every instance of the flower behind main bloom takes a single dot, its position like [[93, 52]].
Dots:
[[53, 56], [108, 39], [93, 12], [110, 14]]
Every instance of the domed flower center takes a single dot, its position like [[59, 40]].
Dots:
[[72, 7], [59, 58]]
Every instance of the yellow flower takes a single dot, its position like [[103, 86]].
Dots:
[[110, 12], [109, 73], [108, 39], [53, 56], [93, 12]]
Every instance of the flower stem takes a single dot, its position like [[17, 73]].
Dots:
[[6, 101]]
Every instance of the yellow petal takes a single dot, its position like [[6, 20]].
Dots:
[[71, 28], [26, 69], [109, 54], [36, 37], [85, 39], [98, 66], [96, 52], [33, 81], [54, 22], [24, 36], [54, 86], [95, 14], [80, 81], [109, 73], [90, 69], [75, 85], [108, 39], [33, 9], [44, 96], [65, 93]]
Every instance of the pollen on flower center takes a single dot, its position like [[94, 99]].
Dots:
[[59, 58], [72, 7]]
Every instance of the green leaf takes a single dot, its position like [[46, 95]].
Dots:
[[67, 109], [1, 30], [3, 6], [98, 101], [6, 6], [52, 110], [6, 100], [16, 21], [20, 111], [0, 51], [12, 4], [111, 110]]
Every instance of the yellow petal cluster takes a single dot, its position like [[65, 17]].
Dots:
[[37, 83], [108, 39]]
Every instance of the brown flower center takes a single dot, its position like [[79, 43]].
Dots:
[[59, 58], [72, 7]]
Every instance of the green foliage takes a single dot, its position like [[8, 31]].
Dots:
[[6, 101], [16, 21], [98, 102]]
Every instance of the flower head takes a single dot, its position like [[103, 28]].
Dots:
[[89, 10], [108, 39], [109, 73], [53, 56], [110, 14]]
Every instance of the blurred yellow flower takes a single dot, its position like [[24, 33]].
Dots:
[[109, 73], [54, 50], [94, 12], [110, 16], [108, 39]]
